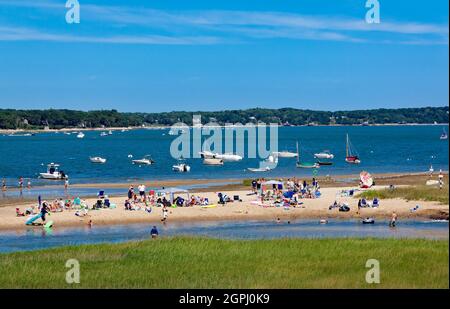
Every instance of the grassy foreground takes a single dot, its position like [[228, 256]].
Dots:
[[213, 263], [413, 193]]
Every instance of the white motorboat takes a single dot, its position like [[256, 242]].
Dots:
[[207, 154], [103, 134], [80, 135], [182, 168], [226, 157], [97, 160], [146, 160], [326, 154], [260, 169], [285, 154], [212, 161], [53, 173]]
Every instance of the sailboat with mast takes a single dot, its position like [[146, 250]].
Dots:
[[444, 135], [351, 155], [300, 164]]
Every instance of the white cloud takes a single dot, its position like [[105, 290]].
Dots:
[[210, 27]]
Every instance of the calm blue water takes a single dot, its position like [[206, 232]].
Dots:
[[382, 149], [38, 238]]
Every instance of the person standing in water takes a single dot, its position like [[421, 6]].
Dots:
[[66, 184], [3, 184], [154, 232], [393, 220], [441, 179]]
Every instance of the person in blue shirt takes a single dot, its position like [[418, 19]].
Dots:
[[154, 232]]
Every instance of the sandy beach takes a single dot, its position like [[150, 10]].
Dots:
[[249, 208]]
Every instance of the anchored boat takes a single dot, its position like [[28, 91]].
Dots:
[[97, 160], [351, 154], [326, 154], [146, 160], [300, 164], [212, 161], [53, 173]]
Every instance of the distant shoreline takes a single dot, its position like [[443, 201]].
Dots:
[[13, 131]]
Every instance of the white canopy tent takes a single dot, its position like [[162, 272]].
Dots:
[[171, 191]]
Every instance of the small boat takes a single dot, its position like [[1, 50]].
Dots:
[[97, 160], [350, 156], [146, 160], [444, 135], [228, 157], [207, 154], [325, 163], [326, 154], [181, 167], [368, 221], [212, 161], [300, 164], [110, 132], [285, 154], [260, 169], [103, 134], [53, 173], [80, 135]]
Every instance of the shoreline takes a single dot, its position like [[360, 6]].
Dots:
[[340, 180], [12, 131]]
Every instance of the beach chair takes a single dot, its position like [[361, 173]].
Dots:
[[364, 203], [375, 203], [221, 199]]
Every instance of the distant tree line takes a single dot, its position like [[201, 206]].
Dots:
[[62, 118]]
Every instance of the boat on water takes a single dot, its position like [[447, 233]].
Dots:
[[444, 135], [368, 221], [80, 135], [97, 160], [259, 169], [326, 154], [226, 157], [110, 132], [324, 163], [229, 157], [103, 134], [300, 164], [53, 173], [181, 167], [351, 155], [285, 154], [212, 161], [146, 160]]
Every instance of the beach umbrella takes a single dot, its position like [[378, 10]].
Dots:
[[366, 179]]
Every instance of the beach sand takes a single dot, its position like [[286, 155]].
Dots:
[[247, 209]]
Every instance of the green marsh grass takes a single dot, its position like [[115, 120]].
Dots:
[[213, 263], [412, 193]]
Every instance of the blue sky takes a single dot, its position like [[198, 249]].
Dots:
[[228, 54]]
